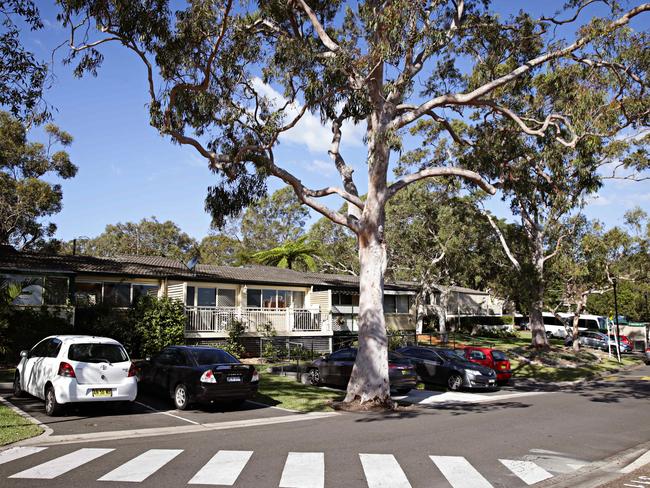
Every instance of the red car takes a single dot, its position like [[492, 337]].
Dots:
[[491, 358], [623, 340]]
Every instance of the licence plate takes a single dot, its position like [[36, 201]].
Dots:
[[233, 379], [99, 393]]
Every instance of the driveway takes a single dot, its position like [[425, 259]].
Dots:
[[148, 412]]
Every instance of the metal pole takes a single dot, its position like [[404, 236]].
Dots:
[[618, 349]]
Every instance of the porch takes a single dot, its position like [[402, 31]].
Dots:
[[216, 320]]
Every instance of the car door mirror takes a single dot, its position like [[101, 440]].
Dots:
[[24, 354]]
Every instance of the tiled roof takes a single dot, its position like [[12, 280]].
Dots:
[[160, 267]]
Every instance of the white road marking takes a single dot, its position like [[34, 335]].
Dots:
[[63, 464], [459, 472], [383, 471], [303, 470], [141, 467], [639, 463], [529, 472], [168, 414], [223, 469], [18, 452]]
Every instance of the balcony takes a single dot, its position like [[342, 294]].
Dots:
[[216, 320]]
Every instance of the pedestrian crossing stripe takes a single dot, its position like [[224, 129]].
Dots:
[[301, 469]]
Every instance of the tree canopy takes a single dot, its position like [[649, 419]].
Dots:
[[25, 197]]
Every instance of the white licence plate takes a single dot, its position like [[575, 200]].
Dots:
[[233, 379], [101, 393]]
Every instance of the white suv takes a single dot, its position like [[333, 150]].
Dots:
[[65, 369]]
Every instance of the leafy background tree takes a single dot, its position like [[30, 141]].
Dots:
[[26, 198], [297, 254]]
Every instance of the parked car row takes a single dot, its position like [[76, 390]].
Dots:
[[598, 340], [472, 368], [79, 369]]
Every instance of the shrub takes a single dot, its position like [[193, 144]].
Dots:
[[158, 323], [24, 327], [104, 321], [234, 345]]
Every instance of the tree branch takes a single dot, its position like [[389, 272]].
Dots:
[[502, 240], [432, 172], [471, 97]]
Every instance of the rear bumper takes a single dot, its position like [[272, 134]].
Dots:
[[209, 393], [504, 375], [403, 381], [68, 390]]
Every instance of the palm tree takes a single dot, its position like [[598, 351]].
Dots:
[[288, 254]]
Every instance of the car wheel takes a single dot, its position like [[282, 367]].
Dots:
[[18, 391], [314, 376], [181, 397], [52, 407], [454, 382]]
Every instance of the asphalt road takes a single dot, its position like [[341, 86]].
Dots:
[[546, 435]]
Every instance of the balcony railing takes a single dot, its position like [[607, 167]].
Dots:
[[218, 319]]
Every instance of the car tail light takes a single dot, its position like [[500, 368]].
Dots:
[[256, 376], [65, 369], [133, 370], [208, 377]]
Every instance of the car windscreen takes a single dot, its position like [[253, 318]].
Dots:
[[499, 356], [97, 353], [396, 358], [212, 356]]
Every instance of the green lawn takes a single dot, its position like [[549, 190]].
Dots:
[[286, 392], [15, 428], [7, 375]]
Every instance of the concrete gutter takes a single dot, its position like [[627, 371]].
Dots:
[[600, 472]]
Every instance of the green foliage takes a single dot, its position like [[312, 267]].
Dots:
[[290, 255], [337, 247], [234, 345], [149, 237], [106, 321], [27, 326], [158, 322], [22, 75], [25, 197]]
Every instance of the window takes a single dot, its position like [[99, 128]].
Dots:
[[477, 355], [32, 292], [40, 349], [212, 356], [189, 297], [97, 353], [402, 303], [283, 298], [144, 290], [499, 356], [389, 304], [298, 299], [207, 297], [269, 299], [88, 294], [56, 290], [343, 355], [53, 347], [117, 294], [225, 298], [254, 298]]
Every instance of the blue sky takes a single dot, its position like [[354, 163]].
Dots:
[[127, 171]]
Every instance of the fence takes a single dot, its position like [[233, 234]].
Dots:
[[218, 319]]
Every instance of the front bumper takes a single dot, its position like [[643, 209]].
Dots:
[[68, 390], [480, 382], [217, 392]]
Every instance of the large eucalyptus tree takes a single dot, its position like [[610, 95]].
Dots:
[[211, 67]]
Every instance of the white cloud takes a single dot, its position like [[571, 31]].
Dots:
[[309, 131], [598, 200]]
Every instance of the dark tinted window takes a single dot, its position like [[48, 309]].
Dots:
[[499, 356], [97, 353], [117, 294], [344, 355], [476, 355], [211, 356], [53, 347], [171, 357], [56, 290], [40, 349], [397, 358], [189, 298], [450, 355]]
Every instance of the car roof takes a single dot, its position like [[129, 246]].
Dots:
[[71, 339]]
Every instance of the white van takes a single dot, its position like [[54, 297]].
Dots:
[[555, 328]]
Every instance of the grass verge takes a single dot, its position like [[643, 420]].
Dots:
[[14, 427], [286, 392]]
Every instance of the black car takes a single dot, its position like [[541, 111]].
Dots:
[[336, 369], [449, 368], [198, 374]]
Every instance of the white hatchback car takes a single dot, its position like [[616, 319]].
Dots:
[[66, 369]]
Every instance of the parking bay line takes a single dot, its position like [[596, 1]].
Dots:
[[168, 414]]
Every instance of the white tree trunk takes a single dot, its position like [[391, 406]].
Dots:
[[369, 380], [538, 331]]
